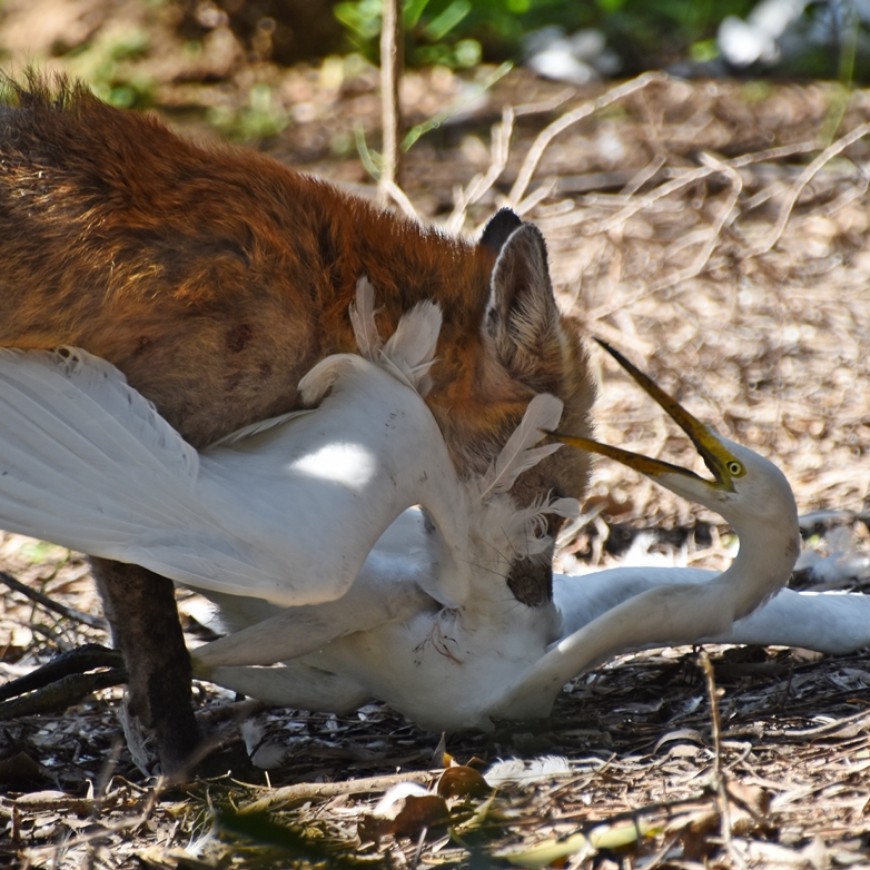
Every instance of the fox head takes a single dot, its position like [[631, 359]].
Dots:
[[524, 346]]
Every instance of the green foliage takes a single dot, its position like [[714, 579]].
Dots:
[[458, 33], [43, 553], [108, 64], [262, 117], [660, 30], [435, 29], [373, 160]]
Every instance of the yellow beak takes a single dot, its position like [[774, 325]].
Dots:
[[722, 463]]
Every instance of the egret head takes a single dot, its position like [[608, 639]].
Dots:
[[744, 488]]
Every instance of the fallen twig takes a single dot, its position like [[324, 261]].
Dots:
[[799, 186], [50, 604], [73, 662], [551, 131], [306, 791], [61, 694], [720, 783], [703, 257], [466, 196]]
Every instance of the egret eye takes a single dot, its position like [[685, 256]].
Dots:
[[735, 469]]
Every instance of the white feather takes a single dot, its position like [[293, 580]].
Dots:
[[529, 524], [257, 428], [410, 351], [520, 453], [65, 411], [362, 318], [317, 382]]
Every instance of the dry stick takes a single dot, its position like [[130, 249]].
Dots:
[[803, 180], [45, 601], [851, 726], [500, 143], [684, 179], [74, 662], [775, 153], [57, 802], [678, 180], [646, 173], [60, 695], [719, 777], [851, 195], [307, 791], [391, 117], [697, 265], [95, 833], [551, 131], [537, 196], [393, 191], [482, 183], [666, 806], [713, 166], [548, 104]]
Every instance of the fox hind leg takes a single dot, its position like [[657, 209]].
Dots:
[[140, 607]]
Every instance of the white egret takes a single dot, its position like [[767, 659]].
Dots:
[[285, 511], [748, 491], [87, 462], [455, 668], [426, 621]]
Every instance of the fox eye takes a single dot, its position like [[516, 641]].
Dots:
[[735, 468]]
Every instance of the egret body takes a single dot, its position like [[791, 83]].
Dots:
[[376, 600]]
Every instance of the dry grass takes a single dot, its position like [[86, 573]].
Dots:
[[718, 235]]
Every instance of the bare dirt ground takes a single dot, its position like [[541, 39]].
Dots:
[[718, 233]]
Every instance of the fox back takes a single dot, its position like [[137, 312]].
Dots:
[[214, 278]]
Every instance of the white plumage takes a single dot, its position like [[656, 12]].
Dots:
[[494, 657], [286, 510], [332, 591]]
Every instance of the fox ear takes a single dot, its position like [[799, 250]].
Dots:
[[498, 229], [522, 317]]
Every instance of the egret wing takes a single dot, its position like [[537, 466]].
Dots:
[[287, 514]]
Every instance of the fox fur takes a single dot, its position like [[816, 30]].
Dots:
[[215, 277]]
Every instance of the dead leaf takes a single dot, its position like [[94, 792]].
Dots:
[[404, 811], [486, 815], [619, 836], [681, 735], [461, 781]]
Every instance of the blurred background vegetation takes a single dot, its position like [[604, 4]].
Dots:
[[128, 49], [462, 33], [454, 33]]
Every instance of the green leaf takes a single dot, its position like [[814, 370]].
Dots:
[[412, 12], [548, 852], [442, 24]]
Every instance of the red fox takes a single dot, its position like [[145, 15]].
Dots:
[[214, 278]]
